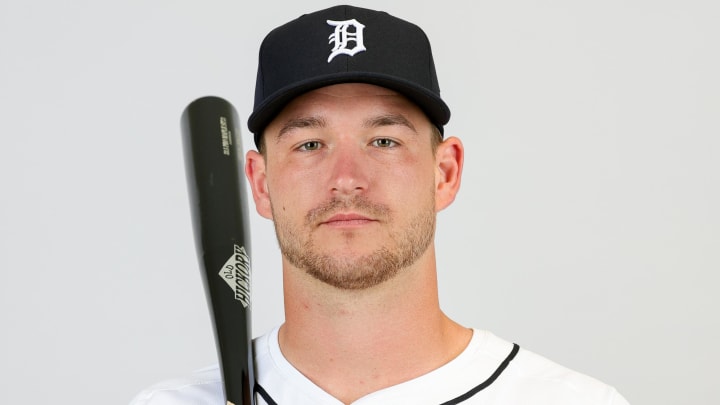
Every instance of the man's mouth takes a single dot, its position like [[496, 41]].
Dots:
[[356, 211], [347, 219]]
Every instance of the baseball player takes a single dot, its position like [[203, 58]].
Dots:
[[352, 167]]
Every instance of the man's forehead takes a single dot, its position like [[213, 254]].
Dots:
[[315, 106]]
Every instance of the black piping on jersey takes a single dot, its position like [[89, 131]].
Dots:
[[490, 379], [261, 391], [464, 397]]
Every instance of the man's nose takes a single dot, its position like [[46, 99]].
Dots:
[[349, 171]]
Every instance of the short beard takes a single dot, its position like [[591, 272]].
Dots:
[[405, 247]]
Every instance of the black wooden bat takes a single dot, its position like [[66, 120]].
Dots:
[[211, 141]]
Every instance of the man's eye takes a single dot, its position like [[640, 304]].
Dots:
[[310, 145], [384, 143]]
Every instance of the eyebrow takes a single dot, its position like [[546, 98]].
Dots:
[[319, 122], [387, 120], [301, 122]]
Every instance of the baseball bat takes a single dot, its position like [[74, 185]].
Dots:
[[211, 143]]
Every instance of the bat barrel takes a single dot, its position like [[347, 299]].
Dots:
[[212, 147]]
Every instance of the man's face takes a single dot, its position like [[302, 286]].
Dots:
[[350, 178]]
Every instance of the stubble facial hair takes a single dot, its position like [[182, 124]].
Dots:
[[405, 244]]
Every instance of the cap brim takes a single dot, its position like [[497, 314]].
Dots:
[[435, 108]]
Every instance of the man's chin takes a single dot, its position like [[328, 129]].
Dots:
[[349, 271]]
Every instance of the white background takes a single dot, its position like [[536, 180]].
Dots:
[[587, 228]]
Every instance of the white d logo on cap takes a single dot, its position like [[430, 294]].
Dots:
[[341, 37]]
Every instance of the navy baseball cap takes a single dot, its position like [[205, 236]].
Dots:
[[345, 44]]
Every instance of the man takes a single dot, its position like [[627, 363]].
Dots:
[[352, 168]]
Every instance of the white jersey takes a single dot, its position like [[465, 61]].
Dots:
[[490, 371]]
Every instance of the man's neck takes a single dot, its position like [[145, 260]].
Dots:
[[352, 343]]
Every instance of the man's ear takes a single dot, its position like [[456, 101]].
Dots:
[[255, 170], [448, 171]]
